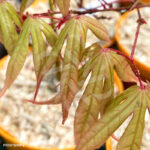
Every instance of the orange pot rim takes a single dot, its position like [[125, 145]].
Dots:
[[121, 46], [10, 138]]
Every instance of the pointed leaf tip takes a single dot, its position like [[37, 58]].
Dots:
[[18, 57], [25, 4], [96, 27], [63, 6], [69, 76], [118, 111]]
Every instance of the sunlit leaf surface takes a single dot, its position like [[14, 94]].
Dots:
[[8, 19], [25, 4], [132, 101], [63, 6]]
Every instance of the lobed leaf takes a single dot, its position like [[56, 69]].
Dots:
[[96, 27], [83, 36], [8, 31], [54, 100], [84, 71], [69, 75], [39, 46], [90, 51], [132, 137], [53, 56], [111, 120], [13, 14], [25, 4], [123, 69], [98, 93], [18, 57], [49, 33], [64, 6]]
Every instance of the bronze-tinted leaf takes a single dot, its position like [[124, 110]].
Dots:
[[53, 56], [98, 93], [39, 46], [48, 32], [123, 68], [90, 51], [69, 75], [54, 100], [96, 27], [8, 31], [83, 35], [18, 57], [13, 14], [63, 6], [25, 4], [132, 137], [124, 105]]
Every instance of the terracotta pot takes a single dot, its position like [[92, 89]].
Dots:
[[143, 68], [17, 145]]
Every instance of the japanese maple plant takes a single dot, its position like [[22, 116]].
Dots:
[[98, 114]]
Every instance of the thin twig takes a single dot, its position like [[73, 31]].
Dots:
[[140, 21]]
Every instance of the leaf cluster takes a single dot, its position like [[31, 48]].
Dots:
[[79, 63]]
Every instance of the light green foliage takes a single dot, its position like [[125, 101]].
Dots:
[[63, 6], [25, 4], [132, 101], [96, 27], [91, 69], [33, 27], [8, 19], [18, 57], [100, 88]]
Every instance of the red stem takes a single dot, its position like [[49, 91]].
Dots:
[[44, 16], [136, 34], [133, 64], [140, 21]]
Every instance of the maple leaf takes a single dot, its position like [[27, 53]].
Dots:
[[25, 4], [8, 19], [63, 6], [134, 101], [20, 52], [100, 88]]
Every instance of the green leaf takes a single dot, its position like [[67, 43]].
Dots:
[[83, 35], [148, 95], [25, 4], [13, 14], [48, 32], [90, 51], [54, 100], [88, 58], [69, 75], [111, 120], [132, 137], [64, 6], [84, 72], [18, 57], [51, 59], [123, 68], [39, 47], [98, 93], [8, 31], [53, 56], [96, 27]]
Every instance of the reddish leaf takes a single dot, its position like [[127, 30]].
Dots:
[[69, 75], [98, 93], [18, 57]]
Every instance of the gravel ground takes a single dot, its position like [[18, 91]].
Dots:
[[127, 34], [33, 124]]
